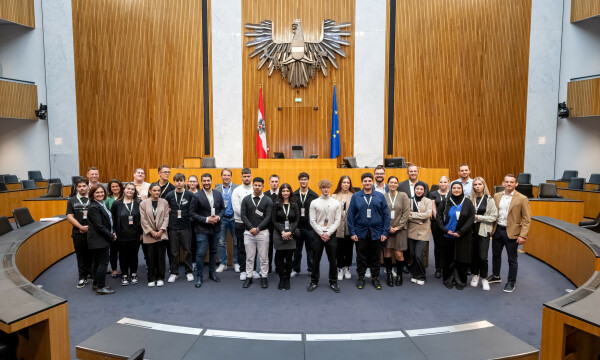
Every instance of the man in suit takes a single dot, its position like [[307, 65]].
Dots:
[[273, 193], [510, 230], [227, 223], [206, 211], [180, 230], [408, 186]]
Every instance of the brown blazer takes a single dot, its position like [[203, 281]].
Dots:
[[419, 223], [518, 218], [151, 224]]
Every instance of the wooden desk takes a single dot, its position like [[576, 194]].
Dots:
[[16, 186], [591, 199], [45, 207], [297, 164], [13, 199], [564, 184], [567, 210]]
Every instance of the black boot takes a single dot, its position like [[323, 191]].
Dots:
[[399, 266], [287, 283], [387, 261], [281, 284], [390, 279]]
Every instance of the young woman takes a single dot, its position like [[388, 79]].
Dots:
[[192, 184], [485, 215], [115, 188], [99, 238], [438, 196], [418, 232], [456, 216], [126, 215], [397, 241], [154, 217], [345, 245], [285, 217]]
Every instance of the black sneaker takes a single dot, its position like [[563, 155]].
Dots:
[[376, 283], [492, 279], [311, 287], [335, 287], [360, 283], [247, 282], [264, 283], [81, 283], [438, 274], [509, 287]]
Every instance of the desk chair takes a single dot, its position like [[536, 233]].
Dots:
[[525, 189], [22, 217], [278, 155], [434, 187], [3, 186], [11, 179], [498, 189], [54, 191], [548, 191], [28, 184], [568, 174], [524, 178], [593, 225], [594, 179], [5, 226], [297, 152], [313, 156], [350, 162], [576, 183], [209, 163], [35, 175], [54, 181]]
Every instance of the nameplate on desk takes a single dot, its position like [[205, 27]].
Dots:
[[50, 219]]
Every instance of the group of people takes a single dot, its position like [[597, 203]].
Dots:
[[390, 218]]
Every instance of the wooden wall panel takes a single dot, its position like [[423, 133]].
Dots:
[[138, 70], [583, 9], [583, 97], [18, 11], [18, 100], [298, 123], [460, 79]]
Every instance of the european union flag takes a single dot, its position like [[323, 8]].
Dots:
[[336, 148]]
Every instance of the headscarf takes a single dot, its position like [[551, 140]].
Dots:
[[457, 199], [417, 199]]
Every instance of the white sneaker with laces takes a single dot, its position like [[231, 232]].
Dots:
[[293, 274], [368, 274], [172, 278], [340, 274], [475, 281], [190, 277], [151, 284], [413, 280], [347, 274], [420, 282], [485, 285], [236, 267], [242, 276], [160, 283], [255, 275], [221, 268]]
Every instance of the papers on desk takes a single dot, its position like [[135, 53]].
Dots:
[[50, 219]]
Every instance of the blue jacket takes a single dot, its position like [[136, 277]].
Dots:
[[359, 224]]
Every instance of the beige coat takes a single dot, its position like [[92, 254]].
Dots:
[[150, 224], [342, 230], [419, 223], [486, 221], [401, 209], [518, 219]]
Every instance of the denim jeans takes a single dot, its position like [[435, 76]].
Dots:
[[205, 241], [227, 224]]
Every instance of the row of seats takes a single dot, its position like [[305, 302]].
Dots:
[[28, 184], [575, 183], [22, 217]]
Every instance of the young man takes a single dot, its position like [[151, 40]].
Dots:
[[464, 177], [304, 197], [163, 181], [256, 215], [236, 201], [180, 231], [325, 217], [368, 224], [273, 193], [408, 186], [510, 230], [77, 215], [380, 185], [140, 185], [206, 211], [227, 222]]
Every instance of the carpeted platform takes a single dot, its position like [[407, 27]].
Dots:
[[227, 306]]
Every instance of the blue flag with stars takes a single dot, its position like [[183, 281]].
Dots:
[[336, 148]]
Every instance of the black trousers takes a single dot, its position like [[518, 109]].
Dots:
[[283, 262], [479, 262], [128, 256], [241, 248], [99, 266], [453, 271], [271, 231], [417, 268], [437, 245], [331, 249], [367, 256], [84, 256], [156, 260], [180, 241], [345, 247], [499, 241], [114, 255], [306, 239]]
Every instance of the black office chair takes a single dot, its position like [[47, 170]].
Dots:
[[74, 180], [35, 175], [350, 162], [297, 152], [54, 181], [548, 191], [22, 217], [138, 355], [278, 155], [209, 163], [54, 191], [3, 186], [524, 178], [593, 225], [5, 226], [568, 174], [313, 156], [576, 183], [2, 178], [498, 189], [28, 184], [525, 189], [11, 179], [434, 187], [594, 179], [356, 188]]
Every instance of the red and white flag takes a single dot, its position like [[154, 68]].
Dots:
[[261, 130]]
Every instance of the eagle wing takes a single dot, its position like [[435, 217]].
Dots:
[[270, 51], [329, 45]]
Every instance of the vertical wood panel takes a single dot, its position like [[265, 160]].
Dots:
[[298, 123], [138, 70], [461, 84], [584, 9], [18, 11], [18, 100], [583, 97]]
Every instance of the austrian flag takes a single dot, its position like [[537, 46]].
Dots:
[[261, 130]]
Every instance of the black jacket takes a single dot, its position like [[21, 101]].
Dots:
[[278, 217], [99, 235], [464, 227], [120, 214], [304, 222], [249, 216], [200, 211]]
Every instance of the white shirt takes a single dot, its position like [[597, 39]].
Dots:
[[325, 208], [381, 190], [209, 196], [503, 208], [238, 195], [412, 188], [467, 186]]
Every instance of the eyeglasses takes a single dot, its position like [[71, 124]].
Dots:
[[165, 172]]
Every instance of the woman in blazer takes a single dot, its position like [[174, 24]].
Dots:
[[345, 245], [485, 216], [128, 227], [154, 217], [419, 225], [397, 240], [99, 237], [456, 216], [285, 217], [438, 196]]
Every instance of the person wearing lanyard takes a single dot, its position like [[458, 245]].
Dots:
[[236, 203], [77, 214], [304, 197], [115, 188], [126, 216], [256, 215], [180, 228], [154, 217], [510, 230], [141, 186], [192, 186], [163, 181], [273, 193], [368, 224], [345, 245], [397, 241], [418, 232], [485, 216], [438, 196], [227, 223], [325, 218], [99, 237], [285, 216], [456, 217], [465, 179]]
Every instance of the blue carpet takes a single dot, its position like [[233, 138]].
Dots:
[[227, 306]]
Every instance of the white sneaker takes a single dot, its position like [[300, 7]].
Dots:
[[190, 277], [255, 275], [368, 274], [420, 282], [340, 274], [413, 280], [151, 284], [475, 281], [160, 283], [293, 274], [347, 274], [485, 285], [172, 278], [236, 267], [242, 276], [221, 268]]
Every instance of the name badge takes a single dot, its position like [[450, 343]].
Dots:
[[258, 212], [392, 214], [457, 215], [212, 211], [368, 213], [130, 219], [179, 214], [226, 203], [302, 212], [325, 222], [84, 214], [287, 225]]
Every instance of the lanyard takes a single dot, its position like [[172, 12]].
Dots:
[[128, 209], [463, 200], [226, 191], [180, 200], [301, 199], [84, 205], [286, 212], [392, 201], [417, 204], [258, 203], [368, 202], [165, 189], [155, 210], [478, 204]]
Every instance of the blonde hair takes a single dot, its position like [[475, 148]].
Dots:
[[325, 183], [486, 191]]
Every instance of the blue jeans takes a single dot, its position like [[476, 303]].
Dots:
[[206, 241], [227, 224]]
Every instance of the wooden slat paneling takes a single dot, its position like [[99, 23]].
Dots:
[[138, 69], [583, 9], [18, 11], [18, 100], [461, 84], [298, 123], [583, 97]]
